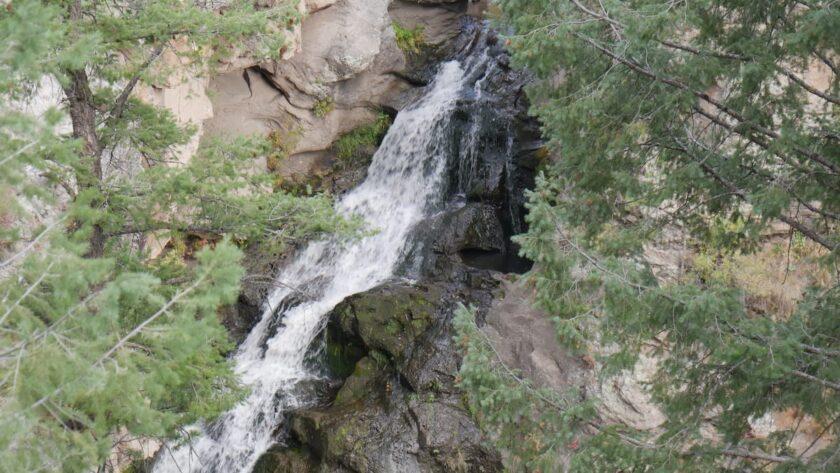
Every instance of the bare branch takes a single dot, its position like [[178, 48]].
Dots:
[[824, 382]]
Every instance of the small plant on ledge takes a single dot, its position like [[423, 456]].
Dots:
[[281, 145], [323, 106], [409, 40], [359, 142]]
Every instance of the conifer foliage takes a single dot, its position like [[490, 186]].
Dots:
[[99, 344], [716, 121]]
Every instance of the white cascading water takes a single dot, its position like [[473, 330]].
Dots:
[[403, 186]]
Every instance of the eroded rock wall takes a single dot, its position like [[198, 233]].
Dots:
[[346, 68]]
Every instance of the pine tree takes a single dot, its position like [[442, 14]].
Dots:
[[99, 343], [689, 116]]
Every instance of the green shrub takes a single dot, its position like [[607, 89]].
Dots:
[[323, 106], [410, 40], [281, 144], [351, 144]]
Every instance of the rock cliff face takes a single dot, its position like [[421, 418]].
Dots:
[[346, 68]]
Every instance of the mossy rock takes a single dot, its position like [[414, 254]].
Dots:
[[342, 351], [367, 373], [286, 460], [338, 434], [389, 318]]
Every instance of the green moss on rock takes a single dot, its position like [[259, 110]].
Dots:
[[286, 460], [360, 383], [410, 40], [390, 318]]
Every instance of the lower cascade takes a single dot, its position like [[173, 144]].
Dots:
[[404, 185]]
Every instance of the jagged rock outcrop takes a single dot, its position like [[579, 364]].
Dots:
[[389, 318], [399, 408], [475, 226]]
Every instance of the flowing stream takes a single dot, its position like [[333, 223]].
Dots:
[[405, 184]]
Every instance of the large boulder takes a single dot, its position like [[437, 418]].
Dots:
[[376, 425], [286, 460], [337, 43], [474, 226], [367, 374], [389, 318], [345, 65], [452, 437], [399, 408]]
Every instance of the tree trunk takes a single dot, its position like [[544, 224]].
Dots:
[[83, 117]]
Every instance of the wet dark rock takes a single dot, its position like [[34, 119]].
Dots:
[[339, 352], [369, 372], [286, 460], [472, 227], [433, 363], [389, 318], [399, 409], [393, 429], [451, 436], [239, 318]]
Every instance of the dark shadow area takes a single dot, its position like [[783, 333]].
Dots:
[[495, 260]]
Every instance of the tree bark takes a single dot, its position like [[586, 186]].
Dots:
[[83, 117]]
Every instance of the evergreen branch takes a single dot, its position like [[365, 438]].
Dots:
[[27, 292], [827, 97], [171, 226], [698, 52], [639, 69], [139, 328], [772, 180], [819, 351], [828, 62], [738, 57], [119, 105], [594, 262], [20, 151], [741, 194], [124, 339], [817, 438], [31, 243], [807, 231], [49, 329], [751, 455], [721, 55], [752, 139]]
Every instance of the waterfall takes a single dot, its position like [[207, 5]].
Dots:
[[405, 184]]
